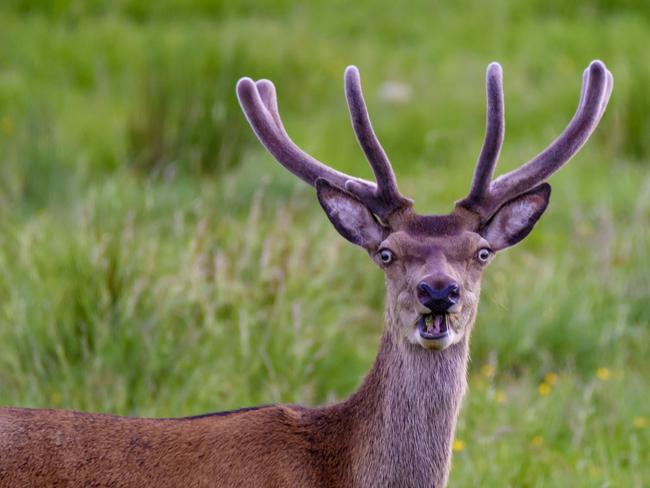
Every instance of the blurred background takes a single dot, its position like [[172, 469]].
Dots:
[[155, 261]]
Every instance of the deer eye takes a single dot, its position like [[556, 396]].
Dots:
[[483, 254], [386, 256]]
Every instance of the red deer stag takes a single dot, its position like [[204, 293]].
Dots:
[[397, 428]]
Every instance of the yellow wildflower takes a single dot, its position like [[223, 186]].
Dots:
[[500, 397], [550, 378], [544, 389], [55, 398], [603, 374], [640, 422], [458, 446], [487, 370], [537, 440], [594, 471], [7, 124]]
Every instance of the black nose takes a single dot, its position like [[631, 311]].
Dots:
[[438, 300]]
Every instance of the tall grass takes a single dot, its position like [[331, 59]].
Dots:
[[186, 119], [155, 261]]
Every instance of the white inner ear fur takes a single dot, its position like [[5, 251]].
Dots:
[[510, 220], [520, 213], [356, 219]]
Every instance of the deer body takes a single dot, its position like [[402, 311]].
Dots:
[[397, 428], [269, 446]]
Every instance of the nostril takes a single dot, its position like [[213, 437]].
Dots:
[[424, 288], [425, 293], [454, 292]]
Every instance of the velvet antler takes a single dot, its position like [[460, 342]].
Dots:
[[259, 102], [486, 196]]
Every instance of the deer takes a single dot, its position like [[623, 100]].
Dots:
[[397, 428]]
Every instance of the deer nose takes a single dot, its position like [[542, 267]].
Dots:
[[438, 299]]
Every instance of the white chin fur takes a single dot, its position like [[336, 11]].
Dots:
[[437, 344]]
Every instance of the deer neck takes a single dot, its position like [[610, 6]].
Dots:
[[405, 413]]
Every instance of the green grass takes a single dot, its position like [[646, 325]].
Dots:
[[155, 261]]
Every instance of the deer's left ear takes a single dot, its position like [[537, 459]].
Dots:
[[350, 216], [516, 218]]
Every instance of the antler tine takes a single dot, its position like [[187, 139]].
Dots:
[[608, 94], [608, 90], [375, 154], [494, 132], [597, 87], [266, 89], [259, 103]]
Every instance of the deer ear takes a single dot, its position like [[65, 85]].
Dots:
[[516, 218], [350, 216]]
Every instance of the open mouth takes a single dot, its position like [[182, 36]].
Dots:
[[433, 327]]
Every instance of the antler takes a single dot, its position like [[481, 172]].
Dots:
[[259, 103], [486, 196]]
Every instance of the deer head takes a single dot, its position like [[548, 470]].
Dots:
[[433, 263]]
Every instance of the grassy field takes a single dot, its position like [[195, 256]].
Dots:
[[154, 260]]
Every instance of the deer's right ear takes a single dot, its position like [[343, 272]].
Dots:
[[350, 216]]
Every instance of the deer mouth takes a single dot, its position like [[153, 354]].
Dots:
[[433, 331], [433, 327]]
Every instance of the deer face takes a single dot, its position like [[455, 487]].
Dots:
[[433, 264], [433, 284]]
